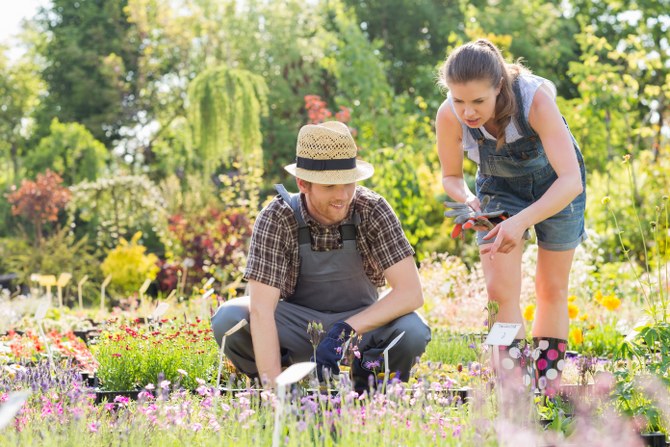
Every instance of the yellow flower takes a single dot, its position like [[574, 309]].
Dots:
[[598, 296], [529, 312], [576, 336], [573, 310], [611, 302], [605, 200], [584, 317], [571, 298]]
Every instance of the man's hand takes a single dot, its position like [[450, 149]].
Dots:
[[330, 351]]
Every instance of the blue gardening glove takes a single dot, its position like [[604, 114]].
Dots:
[[330, 351]]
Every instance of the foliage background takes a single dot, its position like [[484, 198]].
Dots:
[[156, 110]]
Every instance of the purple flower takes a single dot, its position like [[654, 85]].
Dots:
[[371, 365]]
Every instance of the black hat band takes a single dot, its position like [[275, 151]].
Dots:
[[325, 165]]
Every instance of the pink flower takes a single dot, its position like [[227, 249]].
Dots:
[[122, 400], [93, 427]]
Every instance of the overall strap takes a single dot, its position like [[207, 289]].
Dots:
[[476, 133], [348, 228], [293, 200], [526, 130]]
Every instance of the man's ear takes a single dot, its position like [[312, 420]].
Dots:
[[303, 186]]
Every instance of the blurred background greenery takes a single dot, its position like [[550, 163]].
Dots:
[[167, 122]]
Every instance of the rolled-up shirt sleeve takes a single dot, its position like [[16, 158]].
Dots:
[[270, 254]]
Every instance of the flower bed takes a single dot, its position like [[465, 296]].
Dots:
[[133, 355]]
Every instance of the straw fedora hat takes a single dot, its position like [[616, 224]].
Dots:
[[326, 154]]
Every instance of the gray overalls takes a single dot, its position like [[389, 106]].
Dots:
[[332, 286]]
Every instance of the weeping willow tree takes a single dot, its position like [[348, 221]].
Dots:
[[225, 108]]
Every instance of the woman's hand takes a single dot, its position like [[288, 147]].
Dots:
[[473, 202], [508, 235]]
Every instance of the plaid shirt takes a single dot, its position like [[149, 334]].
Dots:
[[273, 254]]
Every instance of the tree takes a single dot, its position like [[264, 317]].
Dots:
[[638, 35], [71, 151], [19, 89], [413, 37], [40, 201], [91, 66], [539, 32], [225, 107]]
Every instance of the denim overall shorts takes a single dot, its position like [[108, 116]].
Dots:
[[518, 174]]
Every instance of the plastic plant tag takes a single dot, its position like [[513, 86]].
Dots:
[[80, 293], [502, 334], [41, 311], [145, 286], [637, 327], [104, 285], [159, 311], [209, 282], [208, 293], [63, 279], [294, 373], [230, 331], [236, 328], [12, 406], [290, 375], [387, 371]]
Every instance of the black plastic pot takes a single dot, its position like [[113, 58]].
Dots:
[[653, 439]]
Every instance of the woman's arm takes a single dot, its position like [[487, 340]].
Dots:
[[450, 151], [546, 120]]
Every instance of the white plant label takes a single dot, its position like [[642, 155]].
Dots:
[[145, 286], [502, 334], [236, 328], [294, 373], [42, 310], [159, 311], [207, 293], [12, 406]]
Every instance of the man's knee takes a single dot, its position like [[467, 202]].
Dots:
[[417, 335], [228, 315]]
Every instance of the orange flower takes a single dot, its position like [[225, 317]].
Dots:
[[573, 310], [529, 312], [576, 336], [611, 302]]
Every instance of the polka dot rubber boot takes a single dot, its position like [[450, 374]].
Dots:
[[515, 366], [549, 356]]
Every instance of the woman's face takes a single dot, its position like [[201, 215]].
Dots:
[[474, 101]]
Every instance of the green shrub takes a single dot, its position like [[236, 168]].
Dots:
[[129, 265]]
